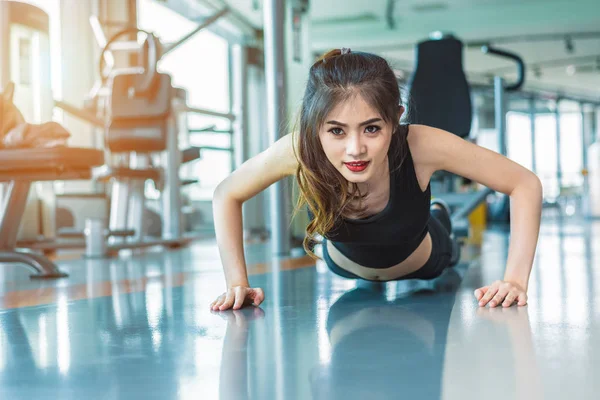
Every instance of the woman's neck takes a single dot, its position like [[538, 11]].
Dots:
[[379, 183]]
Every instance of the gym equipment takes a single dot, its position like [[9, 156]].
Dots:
[[143, 117], [439, 91], [28, 97], [440, 96], [24, 37], [21, 167], [141, 113]]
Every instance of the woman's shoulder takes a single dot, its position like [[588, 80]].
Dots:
[[419, 138], [288, 150], [422, 141]]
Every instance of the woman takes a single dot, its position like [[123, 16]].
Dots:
[[365, 178]]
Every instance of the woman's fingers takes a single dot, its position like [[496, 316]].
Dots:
[[220, 302], [228, 300], [491, 292], [503, 290], [237, 297], [522, 299], [510, 298], [257, 296], [217, 303], [480, 292], [240, 296]]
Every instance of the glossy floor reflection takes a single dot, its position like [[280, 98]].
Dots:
[[141, 328]]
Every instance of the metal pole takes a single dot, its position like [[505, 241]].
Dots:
[[585, 133], [274, 17], [532, 120], [101, 40], [233, 87], [239, 107], [207, 22], [172, 227], [13, 209], [203, 111], [239, 80], [595, 124], [137, 199], [558, 152], [586, 140], [500, 113]]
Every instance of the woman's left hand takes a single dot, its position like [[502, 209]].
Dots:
[[501, 292]]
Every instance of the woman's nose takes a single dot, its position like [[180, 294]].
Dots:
[[355, 146]]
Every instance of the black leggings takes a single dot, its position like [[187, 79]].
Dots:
[[439, 227]]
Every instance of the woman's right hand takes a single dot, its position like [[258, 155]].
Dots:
[[237, 297]]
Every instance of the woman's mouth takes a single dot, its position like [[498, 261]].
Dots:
[[357, 166]]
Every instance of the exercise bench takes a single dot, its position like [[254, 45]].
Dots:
[[19, 168]]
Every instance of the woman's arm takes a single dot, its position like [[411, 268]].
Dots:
[[227, 214], [441, 150], [252, 177], [525, 215]]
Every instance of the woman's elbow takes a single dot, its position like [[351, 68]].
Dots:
[[532, 186], [221, 193], [536, 184]]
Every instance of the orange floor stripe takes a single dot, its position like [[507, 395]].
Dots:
[[50, 295]]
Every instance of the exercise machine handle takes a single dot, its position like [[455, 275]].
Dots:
[[487, 49], [150, 52]]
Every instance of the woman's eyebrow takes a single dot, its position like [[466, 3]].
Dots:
[[367, 122]]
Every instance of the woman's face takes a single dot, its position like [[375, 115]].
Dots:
[[356, 140]]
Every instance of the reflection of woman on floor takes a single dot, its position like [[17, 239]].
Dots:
[[365, 178], [515, 373], [233, 377], [399, 349], [379, 349], [382, 349]]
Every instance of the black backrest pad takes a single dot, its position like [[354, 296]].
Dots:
[[439, 91]]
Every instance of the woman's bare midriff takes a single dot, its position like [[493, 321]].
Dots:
[[416, 260]]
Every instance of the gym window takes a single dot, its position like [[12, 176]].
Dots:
[[201, 66]]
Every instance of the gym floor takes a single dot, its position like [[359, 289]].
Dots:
[[140, 327]]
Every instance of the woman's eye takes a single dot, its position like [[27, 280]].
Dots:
[[368, 129]]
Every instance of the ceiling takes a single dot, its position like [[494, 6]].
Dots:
[[392, 28]]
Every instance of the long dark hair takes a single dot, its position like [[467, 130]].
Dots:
[[337, 76]]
